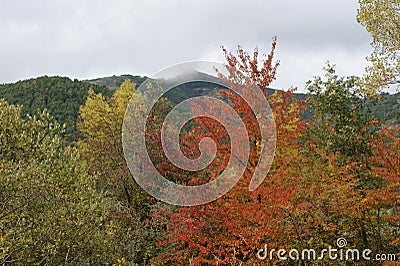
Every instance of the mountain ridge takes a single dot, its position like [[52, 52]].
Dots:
[[62, 97]]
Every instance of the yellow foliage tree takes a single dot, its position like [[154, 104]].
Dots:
[[381, 18], [100, 124]]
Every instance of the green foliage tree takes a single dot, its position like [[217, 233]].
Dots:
[[342, 118], [343, 137], [51, 213], [381, 18]]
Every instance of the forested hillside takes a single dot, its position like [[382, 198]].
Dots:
[[61, 96], [114, 82], [387, 109]]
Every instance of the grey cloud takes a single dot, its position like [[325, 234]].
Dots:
[[86, 39]]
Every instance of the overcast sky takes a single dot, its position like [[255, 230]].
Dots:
[[89, 39]]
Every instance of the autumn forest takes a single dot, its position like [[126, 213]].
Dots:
[[67, 195]]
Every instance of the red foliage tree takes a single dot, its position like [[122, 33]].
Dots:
[[236, 225]]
